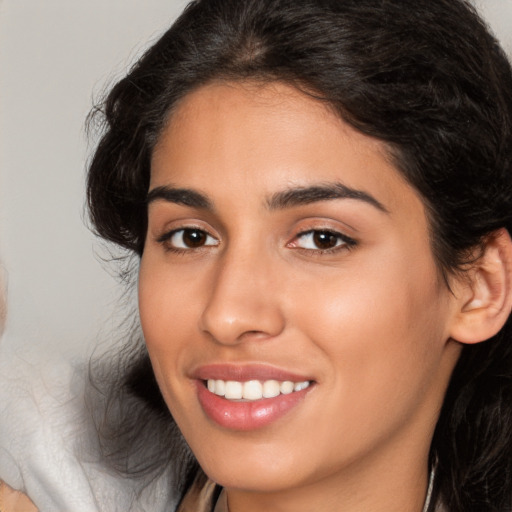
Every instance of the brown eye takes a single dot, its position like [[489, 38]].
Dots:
[[325, 239], [193, 238], [188, 238]]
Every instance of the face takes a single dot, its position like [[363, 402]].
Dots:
[[288, 294]]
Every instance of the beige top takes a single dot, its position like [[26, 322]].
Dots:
[[14, 501], [201, 495]]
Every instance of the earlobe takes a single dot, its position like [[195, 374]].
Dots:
[[485, 302]]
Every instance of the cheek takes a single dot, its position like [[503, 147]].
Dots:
[[166, 299], [166, 308], [373, 324], [164, 312]]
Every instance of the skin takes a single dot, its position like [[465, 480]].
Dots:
[[370, 322]]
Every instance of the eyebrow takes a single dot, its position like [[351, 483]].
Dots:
[[279, 201], [184, 196], [323, 192]]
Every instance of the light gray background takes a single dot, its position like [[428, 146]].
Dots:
[[55, 56]]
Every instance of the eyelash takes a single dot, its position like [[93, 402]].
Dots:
[[343, 241]]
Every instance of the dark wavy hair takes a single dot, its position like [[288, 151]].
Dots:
[[425, 77]]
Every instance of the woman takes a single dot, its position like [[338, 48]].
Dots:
[[319, 196]]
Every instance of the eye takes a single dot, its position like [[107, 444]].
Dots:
[[188, 238], [322, 240]]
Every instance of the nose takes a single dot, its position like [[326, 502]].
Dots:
[[243, 303]]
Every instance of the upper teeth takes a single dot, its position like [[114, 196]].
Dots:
[[254, 389]]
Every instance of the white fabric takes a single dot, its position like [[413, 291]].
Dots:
[[47, 443]]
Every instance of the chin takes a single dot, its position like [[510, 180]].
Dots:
[[252, 479], [251, 465]]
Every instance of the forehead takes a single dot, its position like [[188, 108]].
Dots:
[[266, 137]]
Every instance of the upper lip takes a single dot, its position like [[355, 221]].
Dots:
[[245, 372]]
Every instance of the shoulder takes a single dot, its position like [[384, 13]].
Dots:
[[14, 501]]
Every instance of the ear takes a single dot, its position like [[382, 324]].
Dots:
[[484, 302]]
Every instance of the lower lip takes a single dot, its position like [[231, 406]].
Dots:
[[248, 415]]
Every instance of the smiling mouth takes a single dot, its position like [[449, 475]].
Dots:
[[253, 389]]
